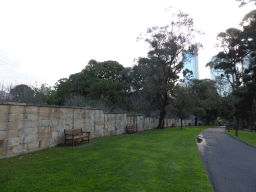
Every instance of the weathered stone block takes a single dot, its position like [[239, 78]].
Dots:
[[14, 133], [53, 128], [30, 131], [3, 117], [33, 145], [67, 126], [18, 109], [3, 135], [69, 121], [17, 149], [78, 116], [63, 110], [27, 124], [60, 128], [44, 110], [4, 108], [2, 152], [21, 139], [15, 117], [32, 109], [42, 143], [44, 123], [55, 135], [32, 116], [77, 111], [55, 110], [34, 124], [31, 138], [99, 123], [25, 146], [43, 136], [15, 125], [54, 116], [44, 116], [44, 129], [78, 126], [50, 142], [54, 121], [62, 122], [63, 116], [12, 141]]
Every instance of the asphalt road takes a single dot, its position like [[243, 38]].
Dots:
[[229, 163]]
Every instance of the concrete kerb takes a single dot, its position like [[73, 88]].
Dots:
[[240, 140]]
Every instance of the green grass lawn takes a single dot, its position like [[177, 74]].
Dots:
[[156, 160], [248, 137]]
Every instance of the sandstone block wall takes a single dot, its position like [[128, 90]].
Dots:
[[25, 129]]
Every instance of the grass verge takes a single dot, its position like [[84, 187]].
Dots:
[[248, 137], [156, 160]]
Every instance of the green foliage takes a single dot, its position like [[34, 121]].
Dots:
[[182, 103], [159, 71], [206, 99], [198, 112], [22, 93], [51, 98]]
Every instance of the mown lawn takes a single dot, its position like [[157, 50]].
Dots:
[[248, 137], [156, 160]]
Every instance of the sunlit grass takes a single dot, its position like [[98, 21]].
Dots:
[[156, 160]]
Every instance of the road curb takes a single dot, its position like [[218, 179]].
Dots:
[[240, 140]]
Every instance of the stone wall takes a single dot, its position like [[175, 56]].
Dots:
[[25, 128]]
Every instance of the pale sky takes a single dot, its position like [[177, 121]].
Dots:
[[43, 41]]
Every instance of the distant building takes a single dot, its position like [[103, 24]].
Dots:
[[217, 73], [224, 86], [191, 63]]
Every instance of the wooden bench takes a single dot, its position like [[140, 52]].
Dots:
[[75, 134]]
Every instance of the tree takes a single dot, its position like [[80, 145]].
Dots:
[[22, 93], [63, 91], [206, 98], [41, 94], [238, 45], [233, 52], [181, 104], [245, 2], [167, 44]]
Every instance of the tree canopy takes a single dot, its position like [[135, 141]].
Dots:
[[164, 59]]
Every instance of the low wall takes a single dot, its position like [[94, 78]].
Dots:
[[24, 128]]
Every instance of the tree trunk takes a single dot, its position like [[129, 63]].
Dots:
[[164, 103], [181, 123], [195, 121], [161, 120]]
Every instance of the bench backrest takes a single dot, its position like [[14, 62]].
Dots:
[[73, 131]]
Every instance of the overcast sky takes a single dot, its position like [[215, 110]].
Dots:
[[43, 41]]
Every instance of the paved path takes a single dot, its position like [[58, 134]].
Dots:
[[229, 163]]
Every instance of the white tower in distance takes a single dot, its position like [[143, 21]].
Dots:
[[191, 63]]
